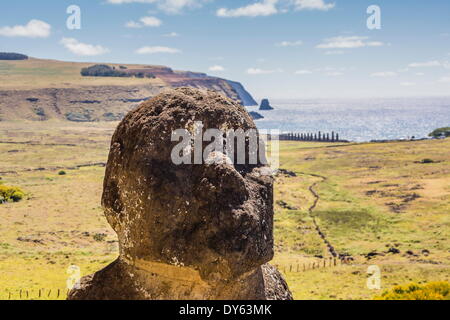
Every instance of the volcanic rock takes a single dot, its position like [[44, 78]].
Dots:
[[185, 231], [265, 105]]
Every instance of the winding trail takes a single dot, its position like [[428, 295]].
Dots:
[[316, 196], [74, 167]]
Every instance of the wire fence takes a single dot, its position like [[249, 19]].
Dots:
[[62, 293], [34, 294], [314, 265]]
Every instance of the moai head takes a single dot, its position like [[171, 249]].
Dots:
[[215, 218]]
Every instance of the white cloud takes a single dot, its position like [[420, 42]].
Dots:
[[407, 84], [269, 7], [303, 72], [33, 29], [348, 43], [172, 35], [157, 49], [133, 24], [289, 43], [335, 74], [144, 22], [334, 52], [151, 21], [264, 8], [385, 74], [313, 5], [257, 71], [216, 68], [445, 79], [83, 49], [420, 74], [168, 6], [426, 64]]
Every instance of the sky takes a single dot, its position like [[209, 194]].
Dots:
[[284, 49]]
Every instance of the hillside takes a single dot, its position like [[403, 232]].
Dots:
[[37, 89], [377, 202]]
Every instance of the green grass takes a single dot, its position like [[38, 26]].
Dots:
[[61, 223], [39, 73]]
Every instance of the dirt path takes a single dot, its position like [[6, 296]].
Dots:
[[74, 167], [33, 143], [316, 196]]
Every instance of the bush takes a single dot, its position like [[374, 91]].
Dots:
[[12, 56], [102, 70], [10, 194], [99, 237], [414, 291], [62, 173], [440, 133], [426, 161]]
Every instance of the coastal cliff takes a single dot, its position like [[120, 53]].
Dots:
[[41, 90]]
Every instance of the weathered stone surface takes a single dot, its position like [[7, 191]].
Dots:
[[186, 231]]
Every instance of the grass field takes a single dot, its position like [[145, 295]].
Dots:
[[371, 198], [39, 73]]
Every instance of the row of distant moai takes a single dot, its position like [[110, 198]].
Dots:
[[322, 137]]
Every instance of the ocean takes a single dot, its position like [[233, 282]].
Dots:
[[359, 120]]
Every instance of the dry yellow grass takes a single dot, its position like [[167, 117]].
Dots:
[[39, 73], [362, 208]]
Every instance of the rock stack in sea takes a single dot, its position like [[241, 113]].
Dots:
[[256, 115], [265, 105], [185, 231]]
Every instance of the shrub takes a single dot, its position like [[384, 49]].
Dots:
[[425, 161], [62, 173], [440, 133], [12, 56], [10, 194], [99, 237], [102, 70], [414, 291]]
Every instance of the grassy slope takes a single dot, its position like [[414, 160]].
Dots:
[[53, 221], [359, 212], [38, 74]]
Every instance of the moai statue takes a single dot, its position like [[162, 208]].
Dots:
[[186, 231]]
